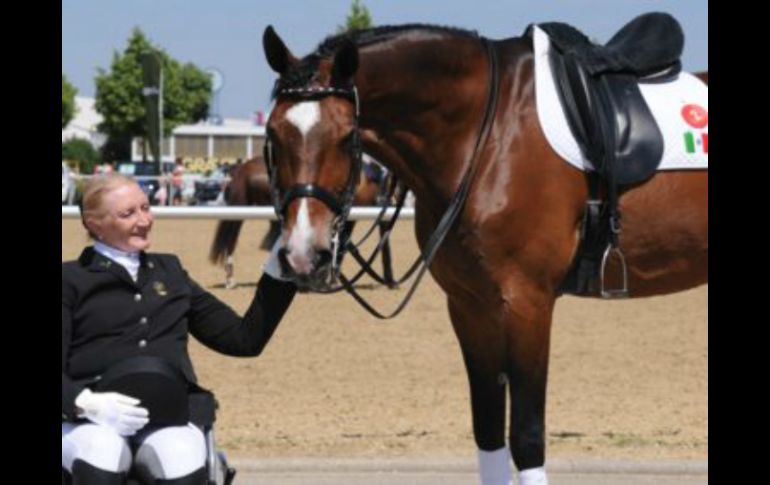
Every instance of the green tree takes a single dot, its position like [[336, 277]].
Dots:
[[68, 92], [81, 152], [358, 18], [119, 98], [116, 148]]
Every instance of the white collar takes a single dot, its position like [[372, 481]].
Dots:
[[130, 261]]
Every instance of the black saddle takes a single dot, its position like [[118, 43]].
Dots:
[[598, 86]]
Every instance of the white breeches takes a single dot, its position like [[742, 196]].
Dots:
[[164, 453]]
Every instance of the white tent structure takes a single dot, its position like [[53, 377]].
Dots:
[[226, 141]]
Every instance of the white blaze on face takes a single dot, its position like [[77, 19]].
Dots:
[[301, 241], [304, 116]]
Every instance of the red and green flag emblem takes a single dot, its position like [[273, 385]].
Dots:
[[693, 144], [697, 117]]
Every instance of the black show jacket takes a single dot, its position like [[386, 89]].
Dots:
[[107, 317]]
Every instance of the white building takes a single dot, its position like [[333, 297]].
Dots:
[[83, 124], [203, 146]]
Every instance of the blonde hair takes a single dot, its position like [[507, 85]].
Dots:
[[93, 195]]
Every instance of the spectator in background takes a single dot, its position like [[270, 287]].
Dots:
[[103, 169], [177, 182], [161, 195]]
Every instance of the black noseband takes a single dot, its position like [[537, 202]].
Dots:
[[314, 191]]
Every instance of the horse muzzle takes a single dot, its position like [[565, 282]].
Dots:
[[313, 270], [308, 258]]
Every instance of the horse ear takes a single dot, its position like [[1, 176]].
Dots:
[[345, 61], [278, 55]]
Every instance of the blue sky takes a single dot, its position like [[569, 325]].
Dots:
[[226, 34]]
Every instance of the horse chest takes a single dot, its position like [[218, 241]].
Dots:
[[457, 266]]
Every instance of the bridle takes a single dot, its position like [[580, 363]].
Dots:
[[339, 204], [447, 219]]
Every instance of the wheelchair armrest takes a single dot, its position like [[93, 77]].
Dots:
[[203, 409]]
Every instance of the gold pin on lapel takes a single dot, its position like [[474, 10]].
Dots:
[[160, 288]]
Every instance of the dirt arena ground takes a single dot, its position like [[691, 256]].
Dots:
[[628, 379]]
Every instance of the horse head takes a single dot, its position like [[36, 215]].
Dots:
[[313, 154]]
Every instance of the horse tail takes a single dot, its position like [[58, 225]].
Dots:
[[225, 240], [226, 237]]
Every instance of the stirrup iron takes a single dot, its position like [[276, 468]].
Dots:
[[622, 292]]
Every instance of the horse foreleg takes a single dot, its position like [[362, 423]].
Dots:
[[229, 272], [527, 323], [387, 265], [484, 356]]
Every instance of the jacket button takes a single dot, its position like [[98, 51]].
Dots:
[[142, 344], [138, 297], [143, 321]]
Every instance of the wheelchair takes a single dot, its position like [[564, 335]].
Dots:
[[218, 471], [203, 408]]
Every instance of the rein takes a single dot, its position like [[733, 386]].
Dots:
[[366, 264], [449, 217]]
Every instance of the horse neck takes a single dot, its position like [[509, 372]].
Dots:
[[422, 103]]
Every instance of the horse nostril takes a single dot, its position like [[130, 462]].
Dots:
[[323, 258]]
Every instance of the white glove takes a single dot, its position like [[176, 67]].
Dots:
[[273, 266], [118, 411]]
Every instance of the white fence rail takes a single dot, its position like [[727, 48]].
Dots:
[[231, 213]]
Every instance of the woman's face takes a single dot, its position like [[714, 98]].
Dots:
[[125, 221]]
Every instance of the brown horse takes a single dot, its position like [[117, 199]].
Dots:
[[421, 92], [249, 185]]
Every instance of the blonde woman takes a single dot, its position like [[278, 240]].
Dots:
[[126, 318]]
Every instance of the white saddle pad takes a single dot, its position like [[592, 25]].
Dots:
[[680, 107]]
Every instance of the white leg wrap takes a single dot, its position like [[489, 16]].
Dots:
[[533, 476], [495, 467], [229, 271]]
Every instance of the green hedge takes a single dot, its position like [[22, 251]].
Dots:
[[80, 152]]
